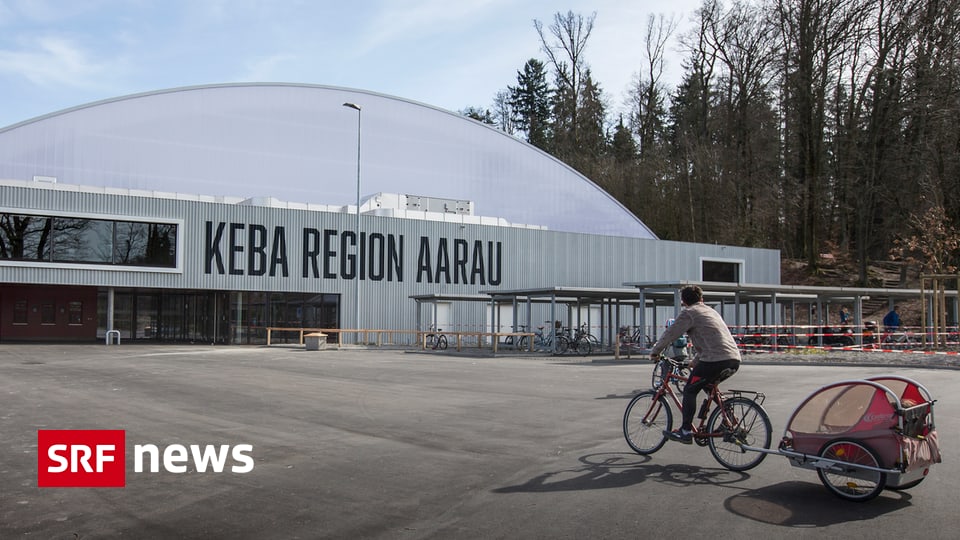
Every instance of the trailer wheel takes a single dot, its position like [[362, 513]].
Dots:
[[848, 479]]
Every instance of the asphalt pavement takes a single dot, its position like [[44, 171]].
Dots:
[[398, 445]]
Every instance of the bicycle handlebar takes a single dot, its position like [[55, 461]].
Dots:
[[672, 361]]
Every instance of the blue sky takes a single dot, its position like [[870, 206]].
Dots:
[[56, 54]]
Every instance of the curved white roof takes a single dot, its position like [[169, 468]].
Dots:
[[299, 143]]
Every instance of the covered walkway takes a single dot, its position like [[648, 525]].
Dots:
[[748, 308]]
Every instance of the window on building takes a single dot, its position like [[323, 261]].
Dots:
[[87, 241], [146, 244], [25, 238], [20, 312], [722, 271], [76, 313], [48, 314], [82, 241]]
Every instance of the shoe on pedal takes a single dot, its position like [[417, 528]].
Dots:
[[680, 435]]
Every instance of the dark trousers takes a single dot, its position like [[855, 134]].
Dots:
[[705, 373]]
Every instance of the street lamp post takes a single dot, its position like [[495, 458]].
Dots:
[[356, 307]]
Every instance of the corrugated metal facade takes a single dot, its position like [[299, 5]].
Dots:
[[420, 257]]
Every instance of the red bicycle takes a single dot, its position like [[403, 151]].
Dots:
[[737, 419]]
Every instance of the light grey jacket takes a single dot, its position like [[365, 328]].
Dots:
[[712, 340]]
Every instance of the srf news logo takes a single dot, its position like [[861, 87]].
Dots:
[[97, 458]]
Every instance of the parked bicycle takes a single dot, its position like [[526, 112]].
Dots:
[[584, 333], [521, 342], [544, 341], [737, 420], [436, 340], [579, 341], [895, 339], [635, 341], [763, 338]]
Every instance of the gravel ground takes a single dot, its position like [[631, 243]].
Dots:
[[925, 359]]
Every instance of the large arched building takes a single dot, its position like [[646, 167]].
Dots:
[[210, 213]]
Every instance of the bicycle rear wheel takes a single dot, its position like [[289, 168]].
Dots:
[[582, 346], [442, 342], [750, 426], [646, 418]]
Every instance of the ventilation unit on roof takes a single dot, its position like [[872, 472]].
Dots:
[[436, 204]]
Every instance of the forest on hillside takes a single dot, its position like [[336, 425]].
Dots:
[[808, 126]]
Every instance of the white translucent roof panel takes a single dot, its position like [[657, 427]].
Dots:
[[298, 143]]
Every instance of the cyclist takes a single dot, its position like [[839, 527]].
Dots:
[[716, 356]]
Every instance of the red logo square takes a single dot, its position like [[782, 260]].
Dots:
[[81, 458]]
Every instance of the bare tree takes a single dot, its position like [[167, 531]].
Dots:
[[741, 37], [693, 153], [564, 47], [813, 34], [503, 112]]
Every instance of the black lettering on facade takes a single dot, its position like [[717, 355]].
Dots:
[[329, 253], [443, 262], [362, 257], [248, 249], [212, 249], [377, 247], [424, 267], [494, 263], [348, 257], [236, 249], [257, 250], [460, 257], [380, 257], [394, 259], [279, 252], [311, 249], [477, 271]]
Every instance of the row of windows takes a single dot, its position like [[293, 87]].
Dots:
[[87, 241], [48, 312]]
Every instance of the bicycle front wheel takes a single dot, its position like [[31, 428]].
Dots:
[[683, 374], [645, 420], [745, 423], [658, 374], [662, 368], [582, 346], [442, 343]]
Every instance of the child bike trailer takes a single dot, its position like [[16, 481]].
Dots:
[[862, 436]]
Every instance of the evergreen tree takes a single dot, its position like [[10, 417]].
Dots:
[[623, 146], [591, 142], [480, 114], [530, 103]]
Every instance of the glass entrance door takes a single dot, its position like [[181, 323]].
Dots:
[[194, 317]]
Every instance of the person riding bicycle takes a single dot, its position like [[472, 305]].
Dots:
[[716, 355]]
